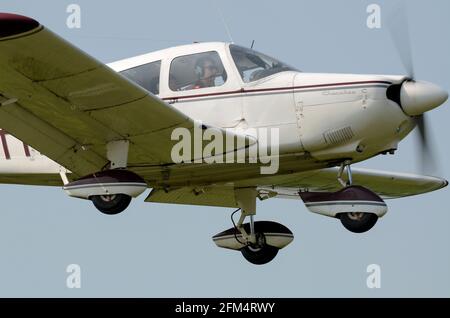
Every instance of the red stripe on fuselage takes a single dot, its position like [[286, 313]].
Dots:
[[275, 89], [27, 150], [4, 144]]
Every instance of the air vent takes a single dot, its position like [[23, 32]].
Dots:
[[338, 136]]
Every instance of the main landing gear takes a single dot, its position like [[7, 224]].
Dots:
[[111, 204], [357, 222], [357, 207], [260, 241], [111, 191]]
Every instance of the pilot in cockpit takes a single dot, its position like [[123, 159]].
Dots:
[[206, 70]]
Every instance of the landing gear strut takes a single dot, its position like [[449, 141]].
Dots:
[[345, 166], [255, 249]]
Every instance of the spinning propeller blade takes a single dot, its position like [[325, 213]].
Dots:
[[399, 29]]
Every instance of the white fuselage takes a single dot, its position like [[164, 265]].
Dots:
[[330, 117]]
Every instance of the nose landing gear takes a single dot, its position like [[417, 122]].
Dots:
[[260, 241]]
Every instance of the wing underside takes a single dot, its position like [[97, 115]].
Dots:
[[388, 185]]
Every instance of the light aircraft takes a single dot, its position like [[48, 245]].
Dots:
[[106, 132]]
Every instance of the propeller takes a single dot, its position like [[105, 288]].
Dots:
[[427, 156], [398, 26]]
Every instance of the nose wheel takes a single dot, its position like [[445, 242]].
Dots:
[[259, 253]]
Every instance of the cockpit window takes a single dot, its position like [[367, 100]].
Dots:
[[195, 71], [146, 76], [253, 66]]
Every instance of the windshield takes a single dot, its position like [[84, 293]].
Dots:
[[253, 66]]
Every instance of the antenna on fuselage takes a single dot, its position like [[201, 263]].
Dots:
[[223, 21], [253, 43]]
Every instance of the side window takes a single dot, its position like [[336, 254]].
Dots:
[[196, 71], [146, 76]]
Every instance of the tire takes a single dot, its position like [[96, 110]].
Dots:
[[358, 222], [111, 204], [261, 254]]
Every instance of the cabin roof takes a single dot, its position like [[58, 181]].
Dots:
[[169, 52]]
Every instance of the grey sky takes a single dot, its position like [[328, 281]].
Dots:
[[154, 250]]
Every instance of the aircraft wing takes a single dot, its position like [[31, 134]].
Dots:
[[68, 106], [389, 185]]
